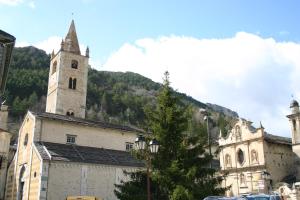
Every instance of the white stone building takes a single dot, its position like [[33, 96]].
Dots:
[[59, 152], [253, 161]]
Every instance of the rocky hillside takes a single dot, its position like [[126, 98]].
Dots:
[[114, 97]]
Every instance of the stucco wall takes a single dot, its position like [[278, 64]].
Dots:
[[71, 179], [23, 156], [56, 131], [35, 176]]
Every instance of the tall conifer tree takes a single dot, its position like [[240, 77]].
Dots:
[[180, 169]]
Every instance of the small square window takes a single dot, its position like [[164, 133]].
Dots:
[[71, 139], [129, 146]]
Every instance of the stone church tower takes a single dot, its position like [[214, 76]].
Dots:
[[67, 86], [294, 119]]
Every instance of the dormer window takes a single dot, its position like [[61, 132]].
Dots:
[[71, 139], [74, 64]]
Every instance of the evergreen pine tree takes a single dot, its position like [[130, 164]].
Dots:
[[180, 169]]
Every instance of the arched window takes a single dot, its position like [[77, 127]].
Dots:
[[25, 140], [240, 156], [74, 64], [54, 67], [72, 83], [21, 182], [254, 156], [228, 161], [70, 113], [294, 125]]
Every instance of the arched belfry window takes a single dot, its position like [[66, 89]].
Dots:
[[74, 64], [54, 67], [72, 83]]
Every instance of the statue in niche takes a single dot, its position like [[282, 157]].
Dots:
[[227, 161], [254, 156], [238, 133], [242, 179]]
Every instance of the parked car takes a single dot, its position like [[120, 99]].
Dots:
[[223, 198], [262, 197], [82, 198]]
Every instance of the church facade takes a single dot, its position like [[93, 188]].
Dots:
[[59, 152], [252, 160]]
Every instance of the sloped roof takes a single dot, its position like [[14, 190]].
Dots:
[[84, 154], [86, 122], [277, 139]]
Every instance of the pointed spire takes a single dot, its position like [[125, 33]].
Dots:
[[87, 52], [260, 125], [62, 45], [52, 54], [220, 134], [71, 41]]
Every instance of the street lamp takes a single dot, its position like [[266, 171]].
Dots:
[[206, 118], [153, 146]]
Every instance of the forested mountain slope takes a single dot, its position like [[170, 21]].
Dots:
[[115, 97]]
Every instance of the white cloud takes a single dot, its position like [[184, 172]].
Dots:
[[11, 2], [48, 45], [31, 4], [252, 75]]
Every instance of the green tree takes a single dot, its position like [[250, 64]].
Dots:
[[180, 169]]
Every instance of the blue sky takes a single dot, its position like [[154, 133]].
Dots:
[[244, 54], [106, 25]]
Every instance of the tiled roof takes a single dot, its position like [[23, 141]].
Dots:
[[277, 139], [86, 122], [83, 154]]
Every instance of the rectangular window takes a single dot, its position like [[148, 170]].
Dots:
[[71, 139], [129, 146]]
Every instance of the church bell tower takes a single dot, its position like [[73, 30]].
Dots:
[[294, 119], [67, 86]]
